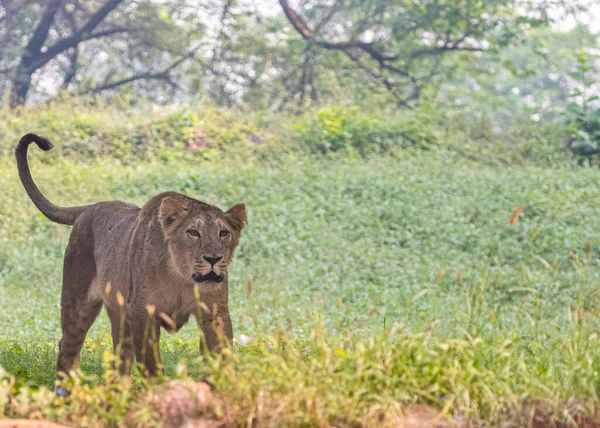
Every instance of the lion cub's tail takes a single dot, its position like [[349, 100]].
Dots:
[[62, 215]]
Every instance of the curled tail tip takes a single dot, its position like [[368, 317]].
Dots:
[[42, 143]]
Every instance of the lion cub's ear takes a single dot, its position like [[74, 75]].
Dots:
[[170, 213], [237, 216]]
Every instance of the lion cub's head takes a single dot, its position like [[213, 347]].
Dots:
[[201, 237]]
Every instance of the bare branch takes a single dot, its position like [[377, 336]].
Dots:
[[332, 11], [302, 28], [447, 47], [72, 70], [222, 35], [83, 34], [159, 75], [110, 32], [384, 67], [391, 86], [80, 7], [41, 32], [117, 83]]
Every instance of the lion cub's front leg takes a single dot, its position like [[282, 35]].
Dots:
[[122, 341], [217, 333], [216, 327], [146, 340]]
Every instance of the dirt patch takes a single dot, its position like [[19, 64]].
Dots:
[[190, 404], [416, 416], [172, 404], [27, 423], [197, 142], [545, 414]]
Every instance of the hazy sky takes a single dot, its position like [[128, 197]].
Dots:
[[593, 20]]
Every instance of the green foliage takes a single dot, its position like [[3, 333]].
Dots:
[[398, 220], [84, 128], [394, 53], [342, 254], [349, 380], [96, 46], [342, 128], [529, 82], [583, 112]]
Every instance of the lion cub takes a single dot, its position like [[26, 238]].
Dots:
[[140, 264]]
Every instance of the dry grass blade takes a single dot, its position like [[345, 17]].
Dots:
[[515, 215]]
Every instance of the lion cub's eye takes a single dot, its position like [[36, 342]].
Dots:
[[224, 233], [194, 233]]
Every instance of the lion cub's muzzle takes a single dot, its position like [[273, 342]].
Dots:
[[214, 266], [211, 276]]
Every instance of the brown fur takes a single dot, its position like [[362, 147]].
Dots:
[[142, 265]]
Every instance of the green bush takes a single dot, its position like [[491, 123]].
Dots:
[[585, 131], [474, 135], [91, 129], [360, 284], [336, 128], [583, 119], [87, 129]]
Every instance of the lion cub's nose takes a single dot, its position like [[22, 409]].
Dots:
[[212, 260]]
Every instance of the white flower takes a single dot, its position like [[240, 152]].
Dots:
[[243, 339]]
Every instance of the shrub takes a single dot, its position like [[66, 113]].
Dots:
[[583, 119], [90, 129], [336, 128]]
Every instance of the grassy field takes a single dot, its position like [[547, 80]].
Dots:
[[379, 281]]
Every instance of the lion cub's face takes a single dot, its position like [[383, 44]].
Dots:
[[201, 237]]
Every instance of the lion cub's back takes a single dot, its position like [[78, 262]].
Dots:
[[109, 225]]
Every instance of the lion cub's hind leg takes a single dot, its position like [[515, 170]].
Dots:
[[79, 310]]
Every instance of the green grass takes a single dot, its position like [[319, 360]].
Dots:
[[343, 254]]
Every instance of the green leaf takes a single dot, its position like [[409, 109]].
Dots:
[[575, 92]]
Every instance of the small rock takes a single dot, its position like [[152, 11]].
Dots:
[[419, 415], [175, 402]]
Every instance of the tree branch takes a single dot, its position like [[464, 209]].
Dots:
[[447, 47], [72, 70], [41, 32], [83, 34], [220, 41], [110, 32], [328, 17], [391, 86], [160, 75], [383, 67], [117, 83], [302, 28]]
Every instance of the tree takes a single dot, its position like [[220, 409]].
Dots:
[[392, 52], [401, 43], [133, 39]]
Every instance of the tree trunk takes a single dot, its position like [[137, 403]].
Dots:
[[21, 86], [22, 79]]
